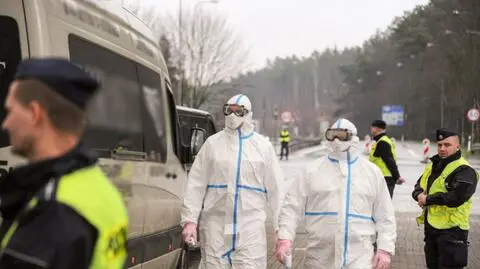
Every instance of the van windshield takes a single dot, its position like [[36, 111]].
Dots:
[[10, 56]]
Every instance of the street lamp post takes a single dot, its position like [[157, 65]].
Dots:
[[180, 54], [275, 118], [442, 92]]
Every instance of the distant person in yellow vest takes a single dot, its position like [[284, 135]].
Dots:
[[284, 141], [383, 155], [444, 192], [59, 210]]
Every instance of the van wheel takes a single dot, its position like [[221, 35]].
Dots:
[[183, 259]]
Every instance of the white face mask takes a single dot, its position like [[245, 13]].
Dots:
[[233, 122], [338, 146]]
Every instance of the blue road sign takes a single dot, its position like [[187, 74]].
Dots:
[[393, 115]]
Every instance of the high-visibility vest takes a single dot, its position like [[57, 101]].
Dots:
[[378, 161], [91, 194], [284, 136], [440, 216]]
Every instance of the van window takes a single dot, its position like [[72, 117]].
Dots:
[[154, 114], [190, 120], [173, 118], [186, 124], [10, 57], [211, 129], [115, 117]]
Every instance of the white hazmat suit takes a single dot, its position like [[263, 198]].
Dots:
[[234, 180], [345, 202]]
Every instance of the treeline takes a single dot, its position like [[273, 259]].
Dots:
[[427, 61]]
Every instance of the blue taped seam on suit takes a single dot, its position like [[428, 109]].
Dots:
[[252, 188], [348, 215], [320, 213], [237, 187], [224, 186], [360, 216], [352, 215], [347, 210], [338, 123], [217, 186], [248, 136], [238, 99], [237, 182], [336, 161]]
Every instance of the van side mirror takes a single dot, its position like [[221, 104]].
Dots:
[[198, 137]]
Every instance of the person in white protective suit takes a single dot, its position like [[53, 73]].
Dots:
[[345, 203], [234, 180]]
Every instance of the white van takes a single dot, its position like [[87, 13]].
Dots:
[[133, 123]]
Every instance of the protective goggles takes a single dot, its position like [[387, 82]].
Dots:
[[341, 134], [234, 108]]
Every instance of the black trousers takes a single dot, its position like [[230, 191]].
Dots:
[[391, 185], [446, 248], [284, 147]]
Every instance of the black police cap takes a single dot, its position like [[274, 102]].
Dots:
[[379, 123], [62, 76], [444, 133]]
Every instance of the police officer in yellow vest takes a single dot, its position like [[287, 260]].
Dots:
[[383, 155], [284, 142], [444, 193], [59, 210]]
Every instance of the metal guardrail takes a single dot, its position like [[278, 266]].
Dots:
[[301, 143]]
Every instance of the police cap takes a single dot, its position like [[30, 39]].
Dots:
[[444, 133], [62, 76], [379, 123]]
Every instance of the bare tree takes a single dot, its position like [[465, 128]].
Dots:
[[211, 52]]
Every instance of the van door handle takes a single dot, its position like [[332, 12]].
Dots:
[[171, 175]]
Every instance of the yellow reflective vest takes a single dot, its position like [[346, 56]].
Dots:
[[379, 161], [284, 136], [440, 216], [91, 194]]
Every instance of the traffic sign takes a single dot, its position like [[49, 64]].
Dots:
[[393, 115], [286, 116], [473, 114]]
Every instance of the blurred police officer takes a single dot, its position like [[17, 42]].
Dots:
[[384, 156], [284, 142], [444, 192], [59, 210]]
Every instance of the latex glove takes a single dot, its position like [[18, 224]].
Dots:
[[189, 233], [400, 181], [382, 260], [282, 247]]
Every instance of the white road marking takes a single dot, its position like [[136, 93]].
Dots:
[[413, 153]]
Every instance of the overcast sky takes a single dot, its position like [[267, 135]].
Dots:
[[285, 27]]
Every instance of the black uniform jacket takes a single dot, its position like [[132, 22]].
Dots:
[[461, 183], [52, 235], [384, 151]]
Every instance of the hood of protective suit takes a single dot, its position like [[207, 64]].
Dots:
[[234, 122], [341, 150]]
